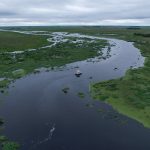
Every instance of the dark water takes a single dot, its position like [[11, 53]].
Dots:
[[41, 117]]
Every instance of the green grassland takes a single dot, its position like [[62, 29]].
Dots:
[[130, 95], [11, 41], [62, 53]]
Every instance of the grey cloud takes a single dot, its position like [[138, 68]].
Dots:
[[6, 13], [53, 12]]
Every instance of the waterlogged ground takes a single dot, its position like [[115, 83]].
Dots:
[[52, 109], [63, 48]]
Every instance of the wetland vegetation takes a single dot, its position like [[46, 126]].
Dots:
[[21, 54], [12, 41], [130, 95], [16, 65], [81, 94]]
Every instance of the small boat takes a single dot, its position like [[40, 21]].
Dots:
[[78, 73]]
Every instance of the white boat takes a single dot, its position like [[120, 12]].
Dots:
[[78, 73]]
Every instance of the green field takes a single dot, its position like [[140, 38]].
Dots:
[[11, 41], [131, 91], [130, 95], [24, 63]]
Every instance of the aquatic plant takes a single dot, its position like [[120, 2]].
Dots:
[[81, 95], [10, 146], [65, 90], [4, 83], [3, 139], [1, 121]]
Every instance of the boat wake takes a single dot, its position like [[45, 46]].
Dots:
[[48, 138]]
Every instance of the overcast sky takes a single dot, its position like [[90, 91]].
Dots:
[[74, 12]]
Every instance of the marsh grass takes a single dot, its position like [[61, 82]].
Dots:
[[66, 90], [1, 122], [3, 139], [10, 41], [4, 83], [18, 73], [59, 55], [81, 95], [10, 146], [130, 95]]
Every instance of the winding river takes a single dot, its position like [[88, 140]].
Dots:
[[40, 116]]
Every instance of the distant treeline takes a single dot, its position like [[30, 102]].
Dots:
[[142, 34], [134, 28]]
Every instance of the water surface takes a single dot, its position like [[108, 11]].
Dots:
[[40, 116]]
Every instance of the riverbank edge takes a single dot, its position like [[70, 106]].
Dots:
[[5, 142], [114, 97], [20, 72]]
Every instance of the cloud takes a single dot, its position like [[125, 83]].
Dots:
[[74, 12]]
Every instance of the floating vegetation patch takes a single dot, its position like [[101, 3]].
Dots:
[[66, 90], [1, 122], [4, 83], [81, 95], [91, 77], [10, 146], [90, 105], [3, 139], [116, 68]]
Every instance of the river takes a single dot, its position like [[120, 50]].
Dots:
[[40, 116]]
